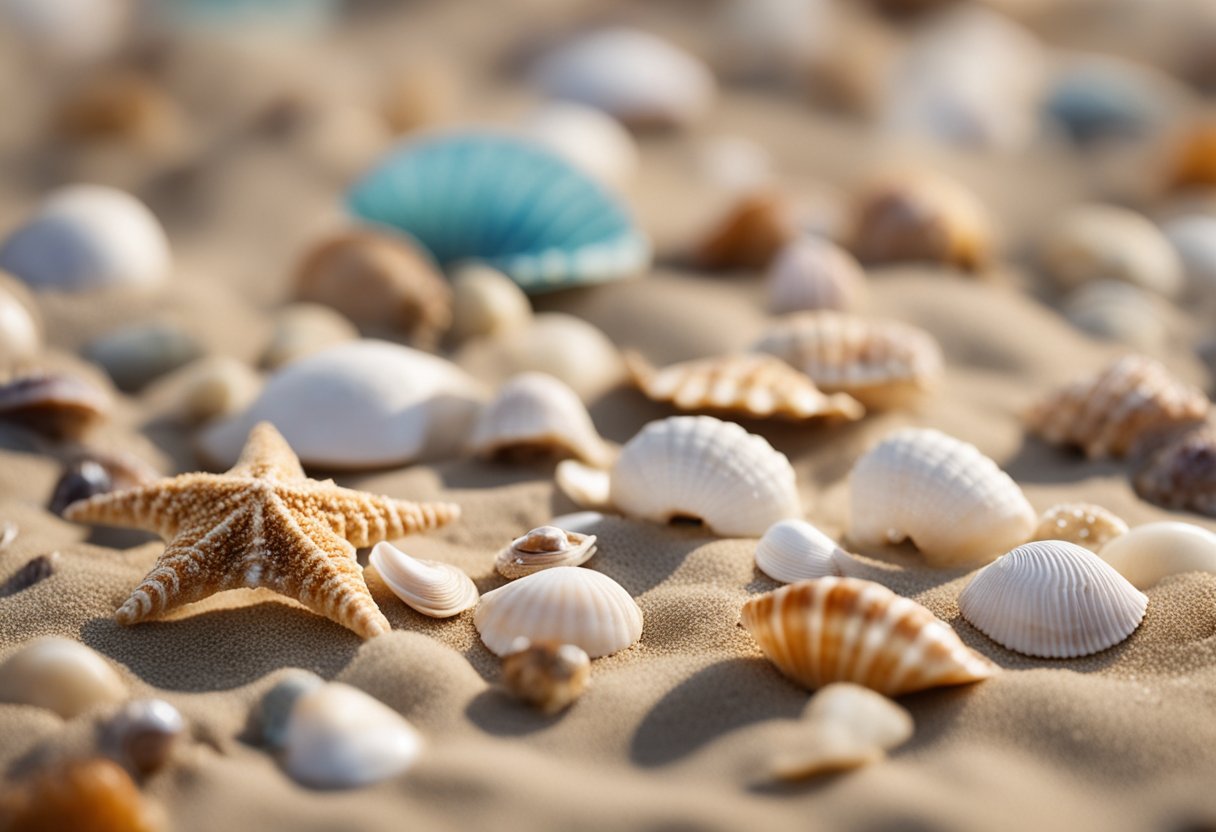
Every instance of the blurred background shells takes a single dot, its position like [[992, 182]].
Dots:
[[141, 353], [1120, 312], [144, 732], [1194, 162], [69, 31], [58, 405], [1181, 472], [486, 302], [547, 675], [1148, 553], [812, 273], [1194, 239], [120, 106], [20, 324], [589, 138], [204, 390], [1096, 98], [93, 793], [60, 675], [1095, 242], [535, 414], [750, 234], [94, 472], [301, 329]]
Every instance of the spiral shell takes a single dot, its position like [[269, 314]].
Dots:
[[794, 550], [1085, 524], [1150, 552], [544, 548], [813, 273], [439, 590], [1181, 472]]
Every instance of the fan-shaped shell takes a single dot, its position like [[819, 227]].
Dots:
[[1181, 472], [1092, 242], [1148, 553], [850, 630], [881, 363], [506, 201], [794, 550], [954, 503], [565, 604], [1084, 524], [545, 547], [437, 589], [813, 273], [535, 412], [1107, 412], [752, 384], [1052, 599]]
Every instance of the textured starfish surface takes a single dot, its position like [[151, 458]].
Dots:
[[261, 524]]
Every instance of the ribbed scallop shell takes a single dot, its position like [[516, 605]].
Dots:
[[1052, 599], [850, 630], [546, 547], [813, 273], [954, 503], [1150, 552], [565, 604], [1181, 472], [537, 413], [1106, 413], [1085, 524], [755, 385], [439, 590], [794, 550], [882, 363]]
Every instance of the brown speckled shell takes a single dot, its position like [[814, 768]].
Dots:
[[1085, 524]]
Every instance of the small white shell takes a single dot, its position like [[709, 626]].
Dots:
[[794, 550], [1052, 599], [1091, 242], [1085, 524], [590, 138], [544, 547], [61, 675], [486, 302], [565, 604], [439, 590], [1150, 552], [954, 503], [813, 273], [537, 412], [339, 737]]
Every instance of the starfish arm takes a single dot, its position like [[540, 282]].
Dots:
[[149, 507], [364, 519], [266, 454]]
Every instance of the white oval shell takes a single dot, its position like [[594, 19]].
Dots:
[[794, 550], [437, 589], [61, 675], [1052, 599], [1091, 242], [698, 466], [954, 503], [813, 273], [590, 138], [515, 561], [1194, 239], [1150, 552], [565, 604]]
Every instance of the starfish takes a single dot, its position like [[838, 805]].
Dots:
[[261, 524]]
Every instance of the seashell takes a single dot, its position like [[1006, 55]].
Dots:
[[849, 630], [547, 675], [546, 225], [1148, 553], [9, 531], [486, 302], [424, 94], [95, 474], [358, 405], [587, 486], [735, 164], [754, 385], [1180, 472], [207, 389], [60, 406], [86, 237], [881, 363], [20, 329], [118, 106], [634, 76], [565, 604], [1052, 599], [535, 414], [1120, 312], [60, 675], [544, 547], [1084, 524], [749, 235], [69, 31], [302, 329], [1096, 98], [953, 502], [589, 139], [378, 280], [812, 273], [339, 737], [1193, 237], [773, 40], [437, 589], [851, 726], [145, 732], [274, 709], [93, 794], [1107, 412], [1093, 242], [1194, 162], [137, 355], [35, 570], [794, 550], [921, 218]]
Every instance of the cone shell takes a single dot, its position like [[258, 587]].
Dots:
[[565, 604], [1181, 472], [794, 550], [1106, 413], [439, 590], [1084, 524], [716, 472], [1150, 552], [544, 548], [535, 412], [755, 385], [850, 630], [953, 502], [1052, 599], [881, 363], [813, 273]]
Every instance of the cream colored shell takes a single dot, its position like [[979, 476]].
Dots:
[[1052, 599], [1085, 524], [544, 548], [439, 590], [814, 273], [486, 302], [794, 550], [589, 487], [1091, 242], [1150, 552], [953, 502], [61, 675]]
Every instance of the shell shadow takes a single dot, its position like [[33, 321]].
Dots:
[[496, 712], [1010, 660], [475, 474], [1038, 462]]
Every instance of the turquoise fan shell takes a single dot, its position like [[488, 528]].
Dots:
[[504, 201]]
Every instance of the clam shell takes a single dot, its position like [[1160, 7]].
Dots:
[[565, 604], [953, 502], [486, 302], [439, 590], [1148, 553], [1181, 472], [544, 548], [505, 201], [1084, 524], [588, 138], [1092, 242], [1052, 599], [60, 406], [849, 630], [751, 384], [794, 550], [61, 675], [881, 363], [145, 732], [1120, 312], [547, 675], [812, 273], [1107, 412], [750, 233], [537, 413]]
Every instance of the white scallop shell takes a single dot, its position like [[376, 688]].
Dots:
[[590, 138], [813, 273], [85, 237], [1052, 599], [954, 503], [794, 550], [61, 675], [565, 604], [1148, 553], [538, 411], [437, 589], [358, 405], [545, 547]]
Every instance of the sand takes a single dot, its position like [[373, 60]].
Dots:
[[674, 733]]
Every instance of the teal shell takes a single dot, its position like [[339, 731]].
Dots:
[[504, 201]]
